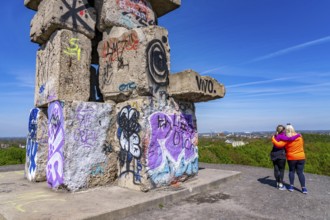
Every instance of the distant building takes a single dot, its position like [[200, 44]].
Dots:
[[238, 143]]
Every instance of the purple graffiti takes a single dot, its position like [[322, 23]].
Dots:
[[55, 142], [173, 133], [85, 134]]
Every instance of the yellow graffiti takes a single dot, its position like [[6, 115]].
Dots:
[[74, 49], [19, 172], [22, 200], [134, 105], [21, 209]]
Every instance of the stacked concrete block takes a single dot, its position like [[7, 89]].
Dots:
[[134, 62], [139, 127], [63, 68], [190, 86], [37, 145], [79, 155], [156, 142], [162, 7], [124, 13], [32, 4], [74, 15]]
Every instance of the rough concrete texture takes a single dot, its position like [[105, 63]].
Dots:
[[134, 62], [37, 145], [156, 141], [252, 196], [124, 13], [190, 86], [25, 200], [80, 155], [162, 7], [63, 66], [32, 4], [77, 16]]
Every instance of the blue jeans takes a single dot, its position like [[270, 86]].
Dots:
[[297, 165]]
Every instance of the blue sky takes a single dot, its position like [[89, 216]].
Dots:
[[273, 56]]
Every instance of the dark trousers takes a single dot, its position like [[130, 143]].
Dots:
[[298, 166], [279, 167]]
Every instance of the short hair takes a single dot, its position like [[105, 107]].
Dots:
[[290, 130]]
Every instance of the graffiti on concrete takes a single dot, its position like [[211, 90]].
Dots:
[[171, 151], [127, 86], [95, 92], [85, 134], [138, 9], [113, 48], [129, 139], [32, 144], [205, 85], [55, 142], [73, 49], [75, 14], [157, 62], [106, 148], [97, 170]]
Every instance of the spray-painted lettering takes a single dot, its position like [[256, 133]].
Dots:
[[85, 133], [74, 49], [55, 142], [172, 151], [129, 139], [205, 85]]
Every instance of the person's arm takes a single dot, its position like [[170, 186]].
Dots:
[[278, 144], [283, 137]]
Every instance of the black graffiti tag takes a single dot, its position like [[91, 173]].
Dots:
[[205, 85], [157, 62], [73, 13]]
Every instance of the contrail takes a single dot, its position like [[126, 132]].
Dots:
[[291, 49]]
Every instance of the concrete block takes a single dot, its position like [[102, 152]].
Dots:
[[32, 4], [162, 7], [190, 86], [37, 145], [134, 62], [74, 15], [80, 156], [63, 66], [156, 142], [124, 13]]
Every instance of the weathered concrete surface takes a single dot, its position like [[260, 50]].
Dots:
[[251, 196], [32, 4], [190, 86], [162, 7], [77, 16], [63, 66], [37, 145], [156, 141], [25, 200], [80, 155], [134, 62], [124, 13]]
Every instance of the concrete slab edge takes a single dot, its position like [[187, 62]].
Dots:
[[158, 202]]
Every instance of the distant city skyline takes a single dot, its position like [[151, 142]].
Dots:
[[272, 56]]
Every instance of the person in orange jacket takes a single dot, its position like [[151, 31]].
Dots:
[[295, 156]]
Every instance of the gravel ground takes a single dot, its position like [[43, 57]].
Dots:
[[251, 196]]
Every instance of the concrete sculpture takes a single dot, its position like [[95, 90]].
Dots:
[[115, 113]]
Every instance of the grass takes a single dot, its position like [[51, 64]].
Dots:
[[11, 156], [256, 153]]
